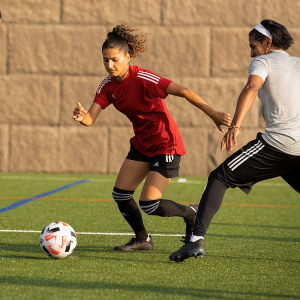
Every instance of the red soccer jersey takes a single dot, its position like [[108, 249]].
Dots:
[[140, 97]]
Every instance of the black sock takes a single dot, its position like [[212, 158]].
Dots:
[[210, 203], [132, 214], [130, 211], [167, 208]]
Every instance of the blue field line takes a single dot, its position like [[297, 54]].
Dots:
[[22, 202]]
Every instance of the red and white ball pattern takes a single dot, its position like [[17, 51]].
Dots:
[[58, 240]]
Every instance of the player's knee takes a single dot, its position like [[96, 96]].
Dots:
[[213, 175], [216, 178], [149, 207], [121, 195]]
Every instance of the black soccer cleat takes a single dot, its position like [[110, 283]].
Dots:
[[190, 224], [136, 244], [188, 250]]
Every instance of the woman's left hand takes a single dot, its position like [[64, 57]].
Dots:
[[221, 118]]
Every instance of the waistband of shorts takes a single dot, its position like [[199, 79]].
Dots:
[[260, 138]]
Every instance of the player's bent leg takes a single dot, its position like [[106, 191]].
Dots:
[[151, 203], [130, 211], [293, 178], [154, 186], [130, 176], [210, 203], [254, 162], [169, 208]]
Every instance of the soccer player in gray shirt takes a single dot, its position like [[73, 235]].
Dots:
[[275, 77]]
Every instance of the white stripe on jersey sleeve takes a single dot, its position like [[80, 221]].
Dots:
[[101, 85], [156, 82], [149, 74]]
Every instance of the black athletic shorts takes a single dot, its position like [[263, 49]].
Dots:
[[259, 161], [165, 164]]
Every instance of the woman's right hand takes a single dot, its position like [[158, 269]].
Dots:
[[221, 118], [78, 113]]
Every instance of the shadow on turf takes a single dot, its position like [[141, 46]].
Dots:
[[254, 237], [148, 288], [110, 249], [252, 258], [127, 255], [80, 251], [33, 249], [259, 226], [23, 257], [20, 247]]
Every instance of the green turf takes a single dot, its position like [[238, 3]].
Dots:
[[251, 252]]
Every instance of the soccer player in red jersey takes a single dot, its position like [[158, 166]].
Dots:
[[157, 146]]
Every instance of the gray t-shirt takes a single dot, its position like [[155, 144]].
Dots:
[[280, 98]]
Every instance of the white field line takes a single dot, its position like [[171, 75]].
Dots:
[[88, 233], [179, 180]]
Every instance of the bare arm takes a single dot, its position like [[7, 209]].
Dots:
[[219, 118], [244, 103], [86, 118]]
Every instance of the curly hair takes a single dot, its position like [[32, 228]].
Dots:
[[121, 37], [281, 37]]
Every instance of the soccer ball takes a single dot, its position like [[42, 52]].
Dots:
[[58, 240]]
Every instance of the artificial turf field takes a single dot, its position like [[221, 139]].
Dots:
[[252, 245]]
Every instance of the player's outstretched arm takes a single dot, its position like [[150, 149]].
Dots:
[[219, 118], [244, 103], [86, 118]]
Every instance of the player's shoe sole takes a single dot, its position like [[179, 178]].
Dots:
[[190, 249], [136, 244]]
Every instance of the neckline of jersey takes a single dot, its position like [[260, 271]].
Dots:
[[125, 79], [280, 51]]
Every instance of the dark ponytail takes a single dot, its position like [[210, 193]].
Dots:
[[121, 37], [281, 37]]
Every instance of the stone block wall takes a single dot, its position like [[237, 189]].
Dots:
[[50, 58]]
